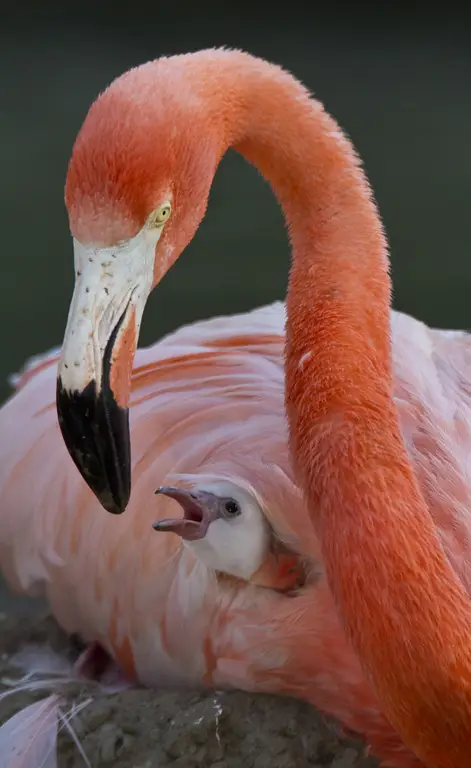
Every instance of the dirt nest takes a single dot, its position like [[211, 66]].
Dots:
[[143, 729]]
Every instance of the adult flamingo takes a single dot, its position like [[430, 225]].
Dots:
[[136, 191]]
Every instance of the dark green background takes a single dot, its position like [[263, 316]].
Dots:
[[398, 83]]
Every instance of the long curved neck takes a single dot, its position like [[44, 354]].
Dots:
[[406, 613]]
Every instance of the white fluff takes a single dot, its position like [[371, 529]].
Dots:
[[237, 546]]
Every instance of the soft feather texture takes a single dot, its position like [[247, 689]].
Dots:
[[207, 401], [28, 739]]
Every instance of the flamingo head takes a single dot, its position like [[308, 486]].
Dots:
[[136, 190]]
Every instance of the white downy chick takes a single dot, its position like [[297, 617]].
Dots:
[[223, 525]]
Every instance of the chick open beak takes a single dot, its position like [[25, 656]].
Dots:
[[200, 509]]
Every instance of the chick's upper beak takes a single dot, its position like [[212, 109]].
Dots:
[[200, 509], [94, 373]]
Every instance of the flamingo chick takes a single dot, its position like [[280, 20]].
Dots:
[[223, 525]]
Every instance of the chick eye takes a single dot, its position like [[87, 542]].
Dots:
[[160, 215], [232, 508]]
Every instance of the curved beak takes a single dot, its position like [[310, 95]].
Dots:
[[200, 509], [94, 373]]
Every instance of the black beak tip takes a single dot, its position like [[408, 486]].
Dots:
[[113, 505], [95, 430]]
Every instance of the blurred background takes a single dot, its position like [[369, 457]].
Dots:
[[398, 82]]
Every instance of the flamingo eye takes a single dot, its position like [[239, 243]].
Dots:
[[232, 508], [160, 215]]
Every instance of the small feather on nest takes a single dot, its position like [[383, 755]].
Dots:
[[28, 739]]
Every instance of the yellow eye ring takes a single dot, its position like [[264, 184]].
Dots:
[[161, 215]]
